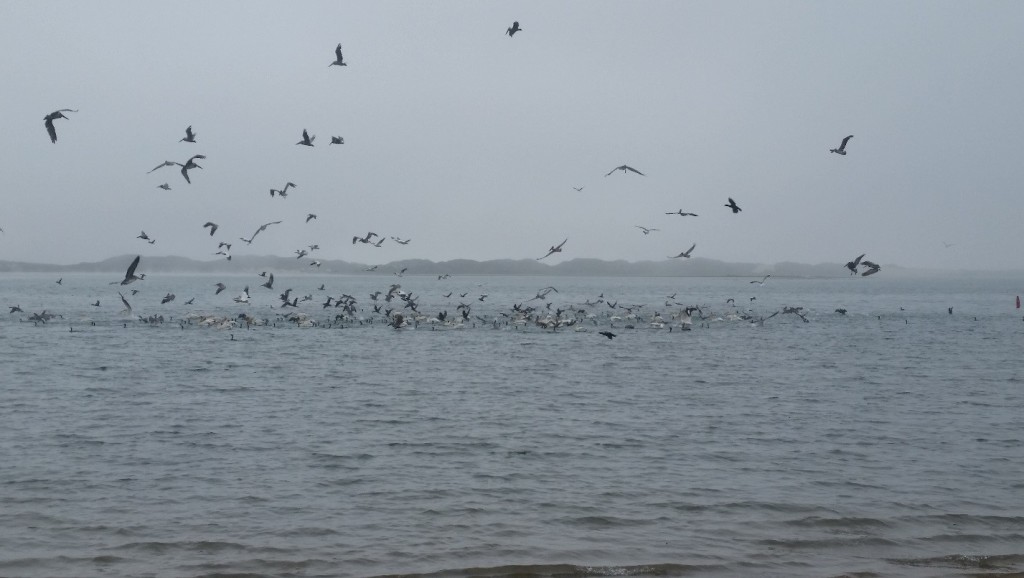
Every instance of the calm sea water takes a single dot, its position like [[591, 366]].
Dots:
[[883, 442]]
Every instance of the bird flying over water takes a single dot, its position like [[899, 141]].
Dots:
[[685, 253], [129, 276], [244, 297], [270, 282], [167, 298], [852, 265], [164, 186], [625, 168], [185, 167], [336, 140], [262, 228], [127, 306], [306, 139], [761, 282], [145, 237], [338, 60], [48, 121], [310, 217], [682, 214], [554, 249], [401, 241], [213, 227], [578, 189], [842, 147], [646, 230], [732, 205], [607, 334], [513, 29], [189, 135], [365, 239], [220, 287]]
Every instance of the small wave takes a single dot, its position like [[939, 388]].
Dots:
[[846, 522], [961, 561], [561, 571]]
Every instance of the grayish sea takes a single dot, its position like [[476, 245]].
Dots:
[[883, 442]]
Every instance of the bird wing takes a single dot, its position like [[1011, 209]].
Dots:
[[184, 173], [629, 168], [50, 129], [692, 247], [845, 140], [337, 52], [131, 268], [613, 170], [559, 247], [163, 164], [305, 135]]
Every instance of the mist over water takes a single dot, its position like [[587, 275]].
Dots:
[[883, 442]]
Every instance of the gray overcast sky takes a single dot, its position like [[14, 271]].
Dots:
[[470, 142]]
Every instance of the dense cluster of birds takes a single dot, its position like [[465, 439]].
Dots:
[[576, 315]]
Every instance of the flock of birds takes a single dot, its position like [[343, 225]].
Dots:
[[576, 315]]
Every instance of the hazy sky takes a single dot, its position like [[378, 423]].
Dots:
[[470, 142]]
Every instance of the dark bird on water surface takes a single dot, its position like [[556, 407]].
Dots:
[[48, 121], [842, 147], [686, 253], [554, 249], [306, 139], [625, 168], [96, 304], [213, 227], [732, 205], [189, 135], [338, 60], [607, 334], [513, 29]]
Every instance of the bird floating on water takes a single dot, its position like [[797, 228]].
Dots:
[[338, 59], [625, 168], [513, 29], [842, 147], [48, 121], [732, 205], [554, 249], [189, 135]]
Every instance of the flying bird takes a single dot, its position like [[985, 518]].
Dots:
[[682, 214], [365, 239], [262, 228], [732, 205], [306, 139], [554, 249], [167, 298], [401, 241], [578, 189], [185, 167], [164, 186], [283, 192], [244, 297], [625, 168], [129, 276], [336, 140], [338, 60], [685, 253], [213, 227], [127, 306], [48, 121], [270, 282], [852, 265], [513, 29], [189, 135], [310, 217], [761, 282], [646, 230], [607, 334], [220, 287], [15, 309], [842, 147]]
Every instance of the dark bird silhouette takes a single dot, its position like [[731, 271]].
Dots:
[[310, 217], [578, 189], [761, 282], [127, 305], [554, 249], [213, 227], [365, 239], [401, 241], [16, 309], [189, 135], [338, 60], [262, 228], [646, 230], [513, 29], [167, 298], [61, 280], [129, 276], [842, 147], [306, 139], [283, 192], [270, 282], [336, 140], [682, 214], [96, 304], [185, 167], [220, 287], [625, 168], [607, 334], [190, 301], [852, 265], [145, 237], [164, 186], [48, 121], [732, 205], [686, 253]]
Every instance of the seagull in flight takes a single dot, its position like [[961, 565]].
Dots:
[[164, 186], [262, 228], [872, 268], [646, 230], [283, 192], [682, 214], [401, 241], [513, 29], [338, 60], [127, 306], [213, 227], [842, 147], [578, 189], [732, 205], [167, 298], [554, 249], [244, 297], [625, 168], [365, 239], [189, 135], [310, 217], [189, 164], [129, 276], [852, 265], [336, 140], [48, 121], [761, 282], [145, 237], [220, 287], [685, 253], [270, 282], [306, 139]]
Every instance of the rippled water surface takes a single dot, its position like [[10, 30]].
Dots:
[[883, 442]]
